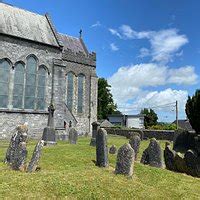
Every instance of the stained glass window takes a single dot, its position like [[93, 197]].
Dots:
[[70, 90], [41, 88], [4, 83], [30, 88], [18, 89], [80, 93]]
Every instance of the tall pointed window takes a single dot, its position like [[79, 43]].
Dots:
[[30, 87], [70, 90], [41, 88], [81, 79], [4, 83], [18, 90]]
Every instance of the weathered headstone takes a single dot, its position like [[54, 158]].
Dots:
[[19, 136], [125, 160], [101, 148], [113, 149], [169, 156], [17, 153], [95, 128], [180, 163], [73, 136], [135, 144], [193, 163], [153, 154], [33, 164], [49, 133]]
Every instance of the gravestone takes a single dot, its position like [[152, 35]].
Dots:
[[19, 136], [180, 163], [101, 148], [33, 164], [193, 163], [95, 128], [169, 156], [16, 153], [49, 133], [125, 160], [113, 149], [152, 155], [135, 144], [73, 136]]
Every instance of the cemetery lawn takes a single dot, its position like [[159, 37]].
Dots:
[[68, 172]]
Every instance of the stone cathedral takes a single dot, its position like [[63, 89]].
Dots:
[[39, 65]]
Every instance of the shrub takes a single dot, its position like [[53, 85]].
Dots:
[[192, 110]]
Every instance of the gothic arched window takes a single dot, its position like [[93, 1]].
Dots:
[[4, 83], [70, 90], [41, 85], [30, 87], [18, 90], [81, 80]]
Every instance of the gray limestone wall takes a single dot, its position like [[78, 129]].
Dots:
[[8, 122], [17, 50], [81, 121]]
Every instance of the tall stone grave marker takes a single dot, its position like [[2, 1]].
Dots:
[[73, 136], [125, 160], [49, 133], [135, 144], [101, 148], [95, 128]]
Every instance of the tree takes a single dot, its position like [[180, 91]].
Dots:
[[106, 104], [150, 118], [192, 110]]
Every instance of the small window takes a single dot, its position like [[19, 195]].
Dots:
[[18, 89], [70, 90], [4, 83], [81, 79]]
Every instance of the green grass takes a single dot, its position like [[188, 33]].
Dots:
[[68, 172]]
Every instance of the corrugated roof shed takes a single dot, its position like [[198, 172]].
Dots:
[[25, 24]]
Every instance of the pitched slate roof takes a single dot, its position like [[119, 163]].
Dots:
[[184, 124], [24, 24], [74, 44]]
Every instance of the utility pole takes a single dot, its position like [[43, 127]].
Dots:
[[176, 114]]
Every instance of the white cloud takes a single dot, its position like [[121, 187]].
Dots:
[[183, 75], [165, 44], [96, 24], [144, 52], [113, 47], [137, 83], [115, 32]]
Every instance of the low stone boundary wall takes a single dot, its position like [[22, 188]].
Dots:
[[144, 134]]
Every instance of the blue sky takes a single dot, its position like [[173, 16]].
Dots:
[[149, 50]]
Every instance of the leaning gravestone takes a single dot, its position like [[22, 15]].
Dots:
[[113, 149], [135, 144], [169, 156], [180, 163], [19, 136], [17, 153], [73, 136], [153, 154], [125, 160], [101, 148], [193, 163], [33, 164]]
